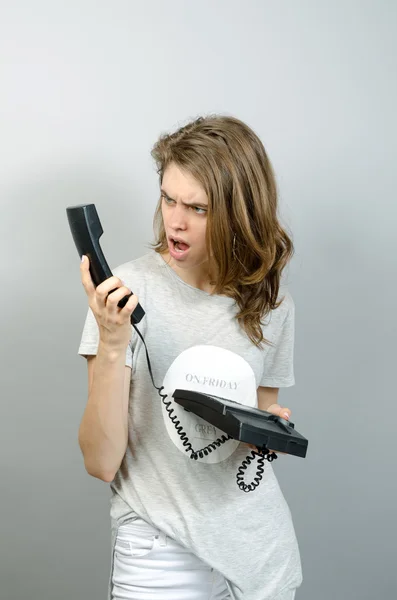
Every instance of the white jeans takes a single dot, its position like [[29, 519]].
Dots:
[[148, 565]]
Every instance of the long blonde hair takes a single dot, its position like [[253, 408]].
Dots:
[[249, 248]]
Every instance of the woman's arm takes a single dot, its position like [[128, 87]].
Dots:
[[103, 432], [266, 397], [267, 400]]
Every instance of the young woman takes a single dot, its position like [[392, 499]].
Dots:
[[216, 322]]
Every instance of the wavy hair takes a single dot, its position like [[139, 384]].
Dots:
[[248, 248]]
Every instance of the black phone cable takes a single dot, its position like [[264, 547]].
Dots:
[[263, 453]]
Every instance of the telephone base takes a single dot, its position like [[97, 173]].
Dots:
[[245, 424]]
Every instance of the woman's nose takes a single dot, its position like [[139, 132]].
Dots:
[[178, 218]]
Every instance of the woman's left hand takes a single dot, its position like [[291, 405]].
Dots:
[[279, 411]]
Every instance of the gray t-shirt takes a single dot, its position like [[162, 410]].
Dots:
[[195, 343]]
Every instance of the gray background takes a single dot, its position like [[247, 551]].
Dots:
[[87, 86]]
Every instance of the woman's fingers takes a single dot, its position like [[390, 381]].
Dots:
[[86, 280], [279, 411]]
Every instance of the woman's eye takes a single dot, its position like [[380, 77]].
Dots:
[[197, 209]]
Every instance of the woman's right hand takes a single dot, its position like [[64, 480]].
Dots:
[[114, 323]]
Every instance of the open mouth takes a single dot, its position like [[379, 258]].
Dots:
[[178, 246]]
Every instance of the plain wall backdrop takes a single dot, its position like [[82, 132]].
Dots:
[[86, 88]]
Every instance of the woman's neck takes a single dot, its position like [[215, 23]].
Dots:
[[197, 277]]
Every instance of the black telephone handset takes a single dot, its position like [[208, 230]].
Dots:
[[86, 230]]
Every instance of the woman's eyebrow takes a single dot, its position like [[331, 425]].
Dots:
[[198, 204]]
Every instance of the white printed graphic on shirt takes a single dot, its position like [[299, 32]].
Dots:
[[208, 370]]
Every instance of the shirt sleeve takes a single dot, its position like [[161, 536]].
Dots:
[[279, 360], [90, 339]]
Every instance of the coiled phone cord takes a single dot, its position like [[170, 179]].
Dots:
[[263, 453]]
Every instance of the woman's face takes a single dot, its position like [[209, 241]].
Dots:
[[184, 206]]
